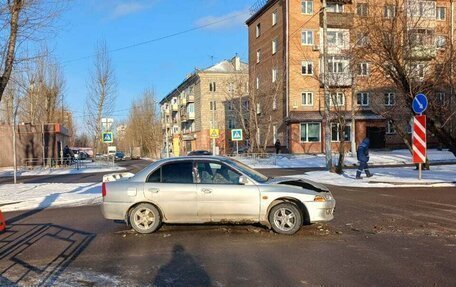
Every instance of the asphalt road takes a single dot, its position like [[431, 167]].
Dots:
[[381, 237]]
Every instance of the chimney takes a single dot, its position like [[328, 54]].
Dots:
[[236, 61]]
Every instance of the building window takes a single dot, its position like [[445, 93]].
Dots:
[[335, 7], [335, 39], [440, 42], [337, 65], [275, 45], [337, 99], [408, 128], [258, 108], [257, 83], [274, 18], [191, 108], [362, 39], [213, 105], [440, 97], [246, 105], [310, 132], [307, 7], [307, 98], [258, 30], [390, 11], [307, 68], [425, 9], [336, 136], [441, 11], [364, 69], [389, 99], [212, 87], [390, 128], [275, 74], [231, 124], [230, 106], [258, 56], [362, 99], [362, 9], [274, 103], [419, 70], [307, 37]]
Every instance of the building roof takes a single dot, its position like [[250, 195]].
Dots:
[[259, 8], [234, 65], [228, 66]]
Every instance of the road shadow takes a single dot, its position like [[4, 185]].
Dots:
[[38, 254], [182, 270]]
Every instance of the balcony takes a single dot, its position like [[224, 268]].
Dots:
[[175, 107], [423, 52], [190, 98], [188, 137], [183, 101], [191, 116], [338, 20], [337, 79]]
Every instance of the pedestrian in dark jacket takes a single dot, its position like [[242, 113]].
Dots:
[[277, 146], [363, 157]]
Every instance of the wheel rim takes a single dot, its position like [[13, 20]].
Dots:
[[144, 218], [284, 219]]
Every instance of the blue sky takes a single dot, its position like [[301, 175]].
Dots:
[[161, 65]]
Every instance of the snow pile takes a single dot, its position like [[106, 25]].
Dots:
[[38, 171], [396, 157], [443, 175], [44, 195]]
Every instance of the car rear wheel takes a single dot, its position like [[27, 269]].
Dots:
[[145, 218], [285, 218]]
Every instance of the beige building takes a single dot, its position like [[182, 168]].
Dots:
[[216, 98], [286, 79]]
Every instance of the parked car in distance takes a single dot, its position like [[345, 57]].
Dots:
[[120, 155], [135, 153], [199, 152], [200, 189]]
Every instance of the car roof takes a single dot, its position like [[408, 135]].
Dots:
[[194, 157]]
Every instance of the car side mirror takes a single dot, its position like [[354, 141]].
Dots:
[[243, 180]]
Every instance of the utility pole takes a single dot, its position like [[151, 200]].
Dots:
[[212, 90], [328, 149], [14, 142]]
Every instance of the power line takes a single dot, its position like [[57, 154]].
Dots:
[[199, 27]]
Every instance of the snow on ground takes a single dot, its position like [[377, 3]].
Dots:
[[44, 195], [85, 168], [395, 157], [442, 175]]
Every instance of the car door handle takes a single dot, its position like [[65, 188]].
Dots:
[[153, 190], [206, 190]]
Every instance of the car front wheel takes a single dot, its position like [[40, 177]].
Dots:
[[145, 218], [285, 218]]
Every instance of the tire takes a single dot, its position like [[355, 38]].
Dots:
[[285, 218], [145, 218]]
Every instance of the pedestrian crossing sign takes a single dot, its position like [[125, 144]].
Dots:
[[236, 135], [107, 137], [214, 133]]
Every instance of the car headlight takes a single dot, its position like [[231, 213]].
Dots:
[[322, 198]]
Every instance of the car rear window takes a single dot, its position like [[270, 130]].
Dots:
[[179, 172]]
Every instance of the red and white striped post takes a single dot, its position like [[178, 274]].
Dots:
[[419, 141]]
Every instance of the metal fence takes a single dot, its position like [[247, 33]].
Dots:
[[67, 163]]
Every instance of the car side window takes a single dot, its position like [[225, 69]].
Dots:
[[179, 172], [216, 173], [155, 176]]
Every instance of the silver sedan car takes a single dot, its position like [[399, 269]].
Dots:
[[202, 189]]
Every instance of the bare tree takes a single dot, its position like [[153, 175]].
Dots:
[[101, 93], [20, 22], [401, 49], [143, 126]]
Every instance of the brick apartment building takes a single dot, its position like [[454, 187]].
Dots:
[[285, 56], [188, 111]]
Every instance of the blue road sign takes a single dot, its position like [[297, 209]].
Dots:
[[420, 103], [107, 137], [236, 135]]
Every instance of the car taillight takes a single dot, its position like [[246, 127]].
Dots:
[[103, 189]]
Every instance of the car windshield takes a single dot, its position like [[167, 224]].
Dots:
[[255, 175]]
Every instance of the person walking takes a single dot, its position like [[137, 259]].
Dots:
[[363, 157], [277, 146]]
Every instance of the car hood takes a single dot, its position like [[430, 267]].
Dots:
[[300, 182]]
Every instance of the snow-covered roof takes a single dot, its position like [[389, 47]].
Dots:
[[228, 66]]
